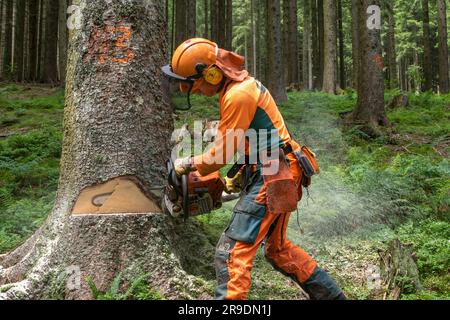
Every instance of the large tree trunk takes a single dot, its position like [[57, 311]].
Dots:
[[321, 34], [390, 44], [214, 20], [274, 56], [355, 43], [33, 11], [7, 52], [260, 43], [191, 20], [342, 73], [50, 67], [330, 63], [19, 40], [1, 38], [62, 40], [291, 41], [370, 110], [116, 128], [444, 82], [41, 40], [228, 25], [427, 66], [315, 44], [254, 50], [307, 59], [180, 22], [206, 33]]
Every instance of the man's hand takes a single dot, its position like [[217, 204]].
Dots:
[[184, 166], [234, 185]]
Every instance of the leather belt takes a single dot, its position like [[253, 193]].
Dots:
[[244, 160]]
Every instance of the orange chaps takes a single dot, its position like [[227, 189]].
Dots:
[[250, 227]]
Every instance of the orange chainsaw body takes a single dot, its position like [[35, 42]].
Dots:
[[205, 192]]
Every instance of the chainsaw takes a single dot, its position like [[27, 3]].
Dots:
[[192, 194]]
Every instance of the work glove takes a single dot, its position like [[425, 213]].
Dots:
[[184, 166], [235, 184]]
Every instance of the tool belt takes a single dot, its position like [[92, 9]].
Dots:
[[306, 159], [281, 189]]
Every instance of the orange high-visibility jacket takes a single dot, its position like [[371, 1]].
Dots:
[[243, 105]]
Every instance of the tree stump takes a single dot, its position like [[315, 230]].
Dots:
[[399, 269], [399, 101]]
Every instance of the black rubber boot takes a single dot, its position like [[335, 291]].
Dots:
[[320, 286]]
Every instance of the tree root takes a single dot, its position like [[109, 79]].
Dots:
[[11, 258], [67, 250]]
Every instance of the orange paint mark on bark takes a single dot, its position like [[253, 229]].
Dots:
[[378, 59], [111, 43]]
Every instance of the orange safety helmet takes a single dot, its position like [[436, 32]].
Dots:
[[197, 57], [191, 58]]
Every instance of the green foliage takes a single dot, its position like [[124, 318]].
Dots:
[[29, 160], [431, 239], [21, 218], [139, 289], [428, 115], [372, 189]]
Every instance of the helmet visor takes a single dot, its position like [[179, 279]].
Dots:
[[167, 69]]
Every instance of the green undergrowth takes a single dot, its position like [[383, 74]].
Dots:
[[139, 289], [370, 191], [30, 148]]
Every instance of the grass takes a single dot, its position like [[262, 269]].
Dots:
[[30, 148], [369, 192]]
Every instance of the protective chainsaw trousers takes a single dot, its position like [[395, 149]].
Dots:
[[251, 227]]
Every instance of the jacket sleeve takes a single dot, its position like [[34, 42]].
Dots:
[[237, 112]]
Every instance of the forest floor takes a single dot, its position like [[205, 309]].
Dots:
[[369, 192]]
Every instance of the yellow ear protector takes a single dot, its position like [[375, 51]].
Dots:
[[212, 74]]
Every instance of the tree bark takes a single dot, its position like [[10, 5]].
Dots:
[[254, 50], [50, 67], [315, 45], [330, 63], [214, 20], [390, 46], [342, 73], [191, 20], [206, 33], [228, 25], [260, 33], [355, 44], [285, 40], [1, 38], [444, 82], [172, 34], [427, 66], [7, 52], [321, 34], [306, 62], [370, 110], [41, 40], [116, 128], [19, 40], [180, 22], [62, 40], [274, 57], [291, 41]]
